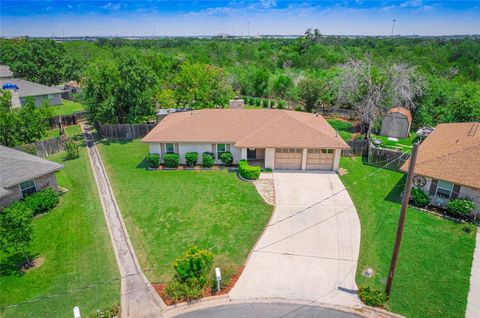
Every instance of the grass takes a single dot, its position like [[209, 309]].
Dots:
[[67, 107], [169, 211], [74, 243], [404, 144], [70, 131], [433, 271], [344, 128]]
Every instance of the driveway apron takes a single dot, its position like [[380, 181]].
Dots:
[[310, 248], [138, 298]]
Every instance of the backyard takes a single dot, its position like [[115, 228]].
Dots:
[[74, 247], [432, 277], [70, 131], [169, 211], [66, 108]]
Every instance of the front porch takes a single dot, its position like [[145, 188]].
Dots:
[[256, 156]]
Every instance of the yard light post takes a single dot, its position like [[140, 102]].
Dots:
[[76, 312], [401, 222], [218, 275]]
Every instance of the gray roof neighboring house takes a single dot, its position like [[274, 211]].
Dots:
[[26, 88], [5, 71], [17, 167]]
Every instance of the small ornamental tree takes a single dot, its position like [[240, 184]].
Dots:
[[194, 265], [71, 148], [16, 230]]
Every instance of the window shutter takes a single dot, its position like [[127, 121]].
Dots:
[[176, 149], [433, 187], [214, 150], [227, 147], [455, 191], [162, 149]]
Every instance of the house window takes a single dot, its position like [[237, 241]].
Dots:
[[28, 187], [50, 97], [444, 189], [327, 150], [169, 148], [221, 148]]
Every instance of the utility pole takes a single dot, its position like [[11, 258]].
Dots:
[[401, 222], [393, 25]]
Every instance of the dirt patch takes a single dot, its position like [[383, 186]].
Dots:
[[37, 262], [207, 292], [342, 171]]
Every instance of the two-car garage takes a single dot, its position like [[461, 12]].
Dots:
[[316, 159]]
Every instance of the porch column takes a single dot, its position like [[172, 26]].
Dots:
[[243, 155], [304, 159], [336, 159]]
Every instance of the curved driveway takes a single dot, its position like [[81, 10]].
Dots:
[[310, 248]]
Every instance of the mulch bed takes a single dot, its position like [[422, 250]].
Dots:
[[160, 288]]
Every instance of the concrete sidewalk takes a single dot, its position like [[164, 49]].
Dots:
[[473, 304], [138, 298], [310, 248]]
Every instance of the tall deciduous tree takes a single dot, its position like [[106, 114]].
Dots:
[[310, 90], [16, 230], [372, 89], [119, 90]]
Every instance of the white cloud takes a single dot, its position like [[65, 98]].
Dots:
[[412, 4], [113, 7], [268, 3]]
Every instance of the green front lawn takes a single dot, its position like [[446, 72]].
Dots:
[[433, 272], [169, 211], [73, 243], [67, 107]]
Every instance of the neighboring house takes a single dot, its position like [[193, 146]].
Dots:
[[448, 164], [396, 123], [5, 72], [276, 139], [22, 174], [25, 89]]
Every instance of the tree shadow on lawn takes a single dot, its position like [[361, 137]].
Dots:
[[108, 142], [12, 265], [395, 194]]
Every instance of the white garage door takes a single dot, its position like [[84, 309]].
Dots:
[[320, 159], [288, 158]]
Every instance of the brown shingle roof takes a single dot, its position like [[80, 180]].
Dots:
[[451, 153], [248, 128], [403, 111]]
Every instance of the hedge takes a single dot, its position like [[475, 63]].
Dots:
[[207, 159], [153, 160], [36, 203], [171, 160], [248, 172], [191, 158], [457, 207], [227, 158]]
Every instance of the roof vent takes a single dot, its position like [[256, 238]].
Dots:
[[473, 130]]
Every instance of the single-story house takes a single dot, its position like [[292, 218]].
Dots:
[[448, 164], [396, 123], [24, 89], [22, 174], [272, 138]]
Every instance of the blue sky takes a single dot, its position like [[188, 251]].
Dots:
[[182, 17]]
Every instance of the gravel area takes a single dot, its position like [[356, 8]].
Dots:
[[265, 187]]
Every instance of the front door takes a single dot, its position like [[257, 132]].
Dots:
[[251, 153]]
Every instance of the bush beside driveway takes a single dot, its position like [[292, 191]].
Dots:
[[433, 271], [168, 211]]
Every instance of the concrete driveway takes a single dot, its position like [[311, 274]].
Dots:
[[310, 248]]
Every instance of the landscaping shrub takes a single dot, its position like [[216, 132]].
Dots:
[[42, 201], [272, 103], [265, 103], [153, 160], [191, 158], [258, 102], [194, 265], [171, 160], [208, 159], [248, 172], [71, 148], [420, 198], [28, 148], [180, 291], [281, 104], [372, 297], [458, 207], [226, 158]]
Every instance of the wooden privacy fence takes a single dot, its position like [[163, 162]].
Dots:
[[358, 148], [341, 112], [67, 120], [45, 148], [386, 158], [124, 131]]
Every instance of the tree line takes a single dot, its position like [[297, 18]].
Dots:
[[126, 80]]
